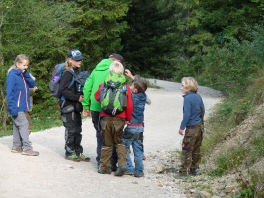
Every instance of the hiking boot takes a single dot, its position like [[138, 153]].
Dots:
[[104, 171], [83, 158], [30, 152], [73, 157], [113, 165], [141, 174], [195, 172], [129, 172], [121, 170], [16, 150]]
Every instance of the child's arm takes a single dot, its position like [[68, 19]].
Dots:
[[148, 101], [129, 74]]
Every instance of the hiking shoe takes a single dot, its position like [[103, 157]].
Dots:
[[83, 158], [141, 174], [129, 172], [104, 171], [16, 150], [73, 157], [121, 170], [30, 152], [195, 172]]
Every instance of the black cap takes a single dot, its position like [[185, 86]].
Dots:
[[117, 57]]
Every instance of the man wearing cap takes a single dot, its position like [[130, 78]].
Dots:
[[90, 105], [72, 119]]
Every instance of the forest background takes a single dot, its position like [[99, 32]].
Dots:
[[220, 43]]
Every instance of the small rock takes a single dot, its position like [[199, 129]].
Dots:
[[70, 166], [205, 194], [160, 168], [228, 189]]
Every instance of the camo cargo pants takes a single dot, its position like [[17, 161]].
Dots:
[[191, 144]]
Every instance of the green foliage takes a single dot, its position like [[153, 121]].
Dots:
[[38, 30], [149, 46], [231, 68], [97, 29]]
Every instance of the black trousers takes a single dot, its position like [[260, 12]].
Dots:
[[73, 137]]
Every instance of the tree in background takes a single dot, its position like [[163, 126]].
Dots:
[[149, 42], [97, 29], [38, 30]]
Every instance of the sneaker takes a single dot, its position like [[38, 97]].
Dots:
[[30, 152], [73, 157], [129, 172], [121, 170], [16, 150], [83, 158], [141, 174], [182, 176], [195, 172], [104, 171]]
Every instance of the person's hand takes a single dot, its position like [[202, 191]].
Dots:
[[35, 88], [129, 74], [86, 112], [80, 98], [181, 131]]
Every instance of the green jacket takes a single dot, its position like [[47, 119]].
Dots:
[[92, 83]]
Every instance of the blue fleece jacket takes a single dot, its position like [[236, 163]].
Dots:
[[17, 91], [191, 109]]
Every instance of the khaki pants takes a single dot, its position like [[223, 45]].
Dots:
[[192, 142], [111, 132]]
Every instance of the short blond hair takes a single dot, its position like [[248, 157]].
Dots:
[[116, 67], [190, 84]]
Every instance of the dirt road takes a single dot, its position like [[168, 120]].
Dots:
[[49, 175]]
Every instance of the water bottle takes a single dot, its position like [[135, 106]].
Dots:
[[56, 78], [79, 90], [124, 96]]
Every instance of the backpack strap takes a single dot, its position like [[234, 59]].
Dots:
[[72, 81], [60, 69], [73, 78]]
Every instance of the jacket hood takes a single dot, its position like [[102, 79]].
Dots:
[[15, 70], [103, 65]]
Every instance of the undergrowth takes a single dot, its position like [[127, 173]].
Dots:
[[243, 155]]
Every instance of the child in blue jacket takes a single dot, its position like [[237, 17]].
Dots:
[[18, 83], [133, 133]]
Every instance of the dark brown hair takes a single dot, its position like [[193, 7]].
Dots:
[[140, 84]]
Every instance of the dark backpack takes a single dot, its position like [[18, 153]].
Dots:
[[57, 72], [113, 94]]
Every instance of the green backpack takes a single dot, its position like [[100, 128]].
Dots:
[[113, 94]]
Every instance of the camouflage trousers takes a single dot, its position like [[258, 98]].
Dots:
[[192, 141]]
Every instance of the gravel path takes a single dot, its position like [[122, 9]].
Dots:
[[50, 175]]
